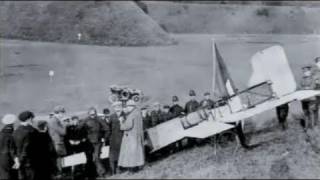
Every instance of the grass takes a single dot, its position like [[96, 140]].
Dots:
[[84, 73]]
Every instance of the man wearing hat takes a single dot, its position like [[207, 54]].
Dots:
[[25, 138], [176, 110], [166, 114], [115, 136], [57, 131], [46, 164], [146, 118], [95, 134], [192, 105], [9, 162], [156, 114], [310, 105], [207, 101]]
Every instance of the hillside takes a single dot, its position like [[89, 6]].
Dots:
[[99, 22], [233, 18]]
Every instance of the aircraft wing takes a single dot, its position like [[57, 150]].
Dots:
[[270, 104], [173, 130]]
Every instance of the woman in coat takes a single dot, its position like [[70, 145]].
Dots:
[[132, 148]]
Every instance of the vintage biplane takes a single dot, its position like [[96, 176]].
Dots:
[[271, 84]]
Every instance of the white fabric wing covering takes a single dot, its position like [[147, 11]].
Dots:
[[272, 65]]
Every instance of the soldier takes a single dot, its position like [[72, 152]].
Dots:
[[156, 114], [176, 109], [57, 131], [9, 162], [146, 118], [310, 105], [76, 142], [95, 131], [166, 114], [207, 100], [191, 106], [282, 114]]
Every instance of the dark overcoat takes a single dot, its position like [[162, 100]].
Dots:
[[115, 138], [7, 152], [191, 106]]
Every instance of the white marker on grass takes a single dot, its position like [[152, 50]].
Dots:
[[51, 74], [79, 36]]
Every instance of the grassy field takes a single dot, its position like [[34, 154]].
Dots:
[[84, 73]]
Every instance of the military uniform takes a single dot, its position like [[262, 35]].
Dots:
[[156, 117], [309, 106], [208, 103], [191, 106], [95, 131]]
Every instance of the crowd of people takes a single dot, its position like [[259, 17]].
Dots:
[[35, 150]]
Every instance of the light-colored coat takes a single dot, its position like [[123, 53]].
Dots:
[[132, 149]]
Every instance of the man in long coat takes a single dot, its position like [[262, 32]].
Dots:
[[115, 137], [46, 154], [132, 148], [8, 158], [57, 131], [25, 138]]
